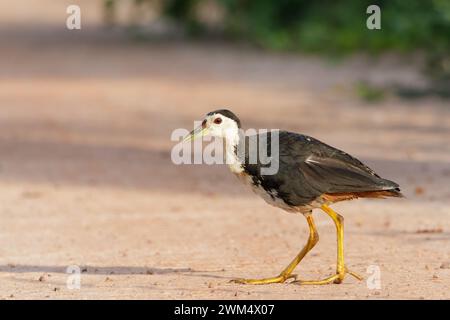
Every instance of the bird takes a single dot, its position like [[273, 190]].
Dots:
[[310, 175]]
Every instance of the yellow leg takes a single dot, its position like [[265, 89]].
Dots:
[[341, 270], [287, 272]]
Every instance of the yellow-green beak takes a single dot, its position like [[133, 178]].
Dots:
[[197, 132]]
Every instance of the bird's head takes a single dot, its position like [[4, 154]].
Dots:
[[220, 123]]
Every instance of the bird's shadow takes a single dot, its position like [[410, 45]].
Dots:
[[110, 270]]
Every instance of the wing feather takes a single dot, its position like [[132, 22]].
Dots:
[[310, 168], [327, 169]]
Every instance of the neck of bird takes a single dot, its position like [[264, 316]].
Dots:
[[233, 143]]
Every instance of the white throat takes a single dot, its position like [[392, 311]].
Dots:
[[231, 144]]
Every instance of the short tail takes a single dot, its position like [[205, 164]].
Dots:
[[392, 189], [394, 193], [378, 194]]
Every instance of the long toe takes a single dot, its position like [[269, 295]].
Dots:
[[277, 279], [336, 278]]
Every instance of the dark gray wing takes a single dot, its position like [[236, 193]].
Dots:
[[330, 170], [309, 168]]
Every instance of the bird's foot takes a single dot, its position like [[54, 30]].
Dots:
[[278, 279], [336, 278]]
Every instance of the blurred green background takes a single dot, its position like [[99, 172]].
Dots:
[[331, 28]]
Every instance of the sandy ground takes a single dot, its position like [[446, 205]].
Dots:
[[86, 176]]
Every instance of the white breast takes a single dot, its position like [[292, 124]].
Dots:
[[271, 196]]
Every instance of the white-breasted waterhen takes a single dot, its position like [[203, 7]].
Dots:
[[310, 175]]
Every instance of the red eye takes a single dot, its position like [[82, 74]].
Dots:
[[217, 120]]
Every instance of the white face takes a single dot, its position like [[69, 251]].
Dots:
[[221, 126]]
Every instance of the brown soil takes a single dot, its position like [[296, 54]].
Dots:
[[86, 176]]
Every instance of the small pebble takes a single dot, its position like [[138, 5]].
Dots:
[[419, 191]]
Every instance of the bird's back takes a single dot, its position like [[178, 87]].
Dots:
[[310, 170]]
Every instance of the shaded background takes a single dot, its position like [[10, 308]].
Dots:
[[85, 124]]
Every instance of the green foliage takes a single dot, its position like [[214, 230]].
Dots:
[[183, 11], [328, 26], [369, 93], [340, 26], [325, 26]]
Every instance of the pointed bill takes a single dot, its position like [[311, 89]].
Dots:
[[197, 132]]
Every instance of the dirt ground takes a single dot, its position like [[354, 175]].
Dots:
[[86, 176]]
